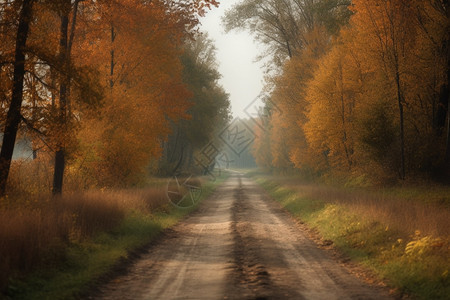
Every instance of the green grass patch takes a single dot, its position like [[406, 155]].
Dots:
[[415, 264], [432, 194], [85, 261]]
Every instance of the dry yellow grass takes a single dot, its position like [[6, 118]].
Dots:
[[402, 233], [36, 228], [405, 213], [44, 226]]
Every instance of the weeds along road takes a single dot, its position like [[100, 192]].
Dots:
[[238, 245]]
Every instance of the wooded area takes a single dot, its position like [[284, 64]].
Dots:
[[107, 91], [361, 88]]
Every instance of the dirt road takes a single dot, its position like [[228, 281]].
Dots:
[[238, 245]]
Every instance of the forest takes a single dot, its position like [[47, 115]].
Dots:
[[354, 89], [108, 90]]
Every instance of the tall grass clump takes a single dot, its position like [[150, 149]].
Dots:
[[36, 228], [406, 209], [38, 233]]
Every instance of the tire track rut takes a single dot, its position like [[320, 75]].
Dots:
[[250, 276]]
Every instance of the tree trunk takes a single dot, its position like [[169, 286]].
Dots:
[[447, 153], [447, 94], [58, 175], [13, 116], [112, 63], [440, 115], [402, 143], [402, 127], [343, 120], [65, 44]]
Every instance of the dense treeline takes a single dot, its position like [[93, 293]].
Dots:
[[98, 86], [210, 110], [359, 87]]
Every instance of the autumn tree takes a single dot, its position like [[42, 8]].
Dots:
[[433, 19], [71, 85], [64, 10], [364, 92], [283, 25], [141, 107], [388, 28], [63, 81], [374, 69], [289, 94], [400, 46], [208, 114], [297, 34], [48, 74], [13, 116]]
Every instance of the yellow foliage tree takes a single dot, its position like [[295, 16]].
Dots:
[[397, 49], [288, 140], [140, 62], [331, 96]]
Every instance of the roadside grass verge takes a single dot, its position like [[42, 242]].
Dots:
[[57, 249], [403, 239]]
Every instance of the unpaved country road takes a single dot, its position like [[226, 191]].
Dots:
[[238, 245]]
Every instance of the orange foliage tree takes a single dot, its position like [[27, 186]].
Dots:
[[288, 138], [124, 55], [138, 54], [332, 102]]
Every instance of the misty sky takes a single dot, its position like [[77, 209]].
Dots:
[[236, 53]]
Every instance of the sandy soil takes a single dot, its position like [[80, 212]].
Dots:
[[238, 245]]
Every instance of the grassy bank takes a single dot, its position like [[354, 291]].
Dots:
[[58, 250], [398, 234]]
